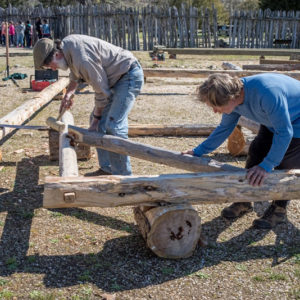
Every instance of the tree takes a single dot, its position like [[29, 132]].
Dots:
[[280, 4]]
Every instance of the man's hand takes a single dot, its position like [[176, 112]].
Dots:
[[190, 152], [256, 175], [67, 102]]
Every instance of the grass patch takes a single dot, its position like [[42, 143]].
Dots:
[[297, 259], [6, 294], [3, 282], [258, 278], [11, 263], [277, 277], [116, 287], [167, 271], [295, 294], [297, 273], [241, 267], [85, 276], [56, 214], [201, 275]]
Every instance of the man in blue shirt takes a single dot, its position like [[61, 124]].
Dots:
[[272, 100]]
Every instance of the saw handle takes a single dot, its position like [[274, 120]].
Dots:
[[63, 110]]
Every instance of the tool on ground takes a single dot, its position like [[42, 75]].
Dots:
[[14, 77], [29, 127]]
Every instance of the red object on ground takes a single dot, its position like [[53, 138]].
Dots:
[[39, 85]]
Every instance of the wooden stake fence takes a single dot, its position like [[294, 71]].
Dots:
[[141, 28]]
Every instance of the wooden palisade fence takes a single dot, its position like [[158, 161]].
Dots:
[[143, 28]]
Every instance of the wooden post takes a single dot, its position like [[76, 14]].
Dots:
[[7, 48], [67, 154]]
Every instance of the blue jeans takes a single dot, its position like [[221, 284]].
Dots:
[[114, 119], [20, 40]]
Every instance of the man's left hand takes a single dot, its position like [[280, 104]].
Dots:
[[256, 175]]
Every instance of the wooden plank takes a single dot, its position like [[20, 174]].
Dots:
[[19, 115], [224, 187], [196, 73]]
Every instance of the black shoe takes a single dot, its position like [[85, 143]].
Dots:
[[273, 215], [236, 210], [99, 172]]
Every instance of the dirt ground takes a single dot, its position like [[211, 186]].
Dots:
[[96, 253]]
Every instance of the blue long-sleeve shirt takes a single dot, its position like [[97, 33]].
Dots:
[[270, 99]]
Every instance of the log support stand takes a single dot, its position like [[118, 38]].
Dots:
[[171, 231]]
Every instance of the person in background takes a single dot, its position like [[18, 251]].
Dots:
[[38, 27], [46, 29], [20, 28], [271, 100], [3, 33], [116, 77], [12, 33], [28, 34]]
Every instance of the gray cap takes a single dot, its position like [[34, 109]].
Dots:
[[41, 50]]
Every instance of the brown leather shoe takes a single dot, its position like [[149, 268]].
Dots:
[[273, 215], [236, 210], [99, 172]]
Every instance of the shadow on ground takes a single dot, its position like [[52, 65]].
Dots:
[[124, 263]]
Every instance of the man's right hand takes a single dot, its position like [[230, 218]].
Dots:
[[94, 125], [190, 152], [67, 102]]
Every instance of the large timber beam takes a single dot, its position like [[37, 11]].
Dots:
[[219, 187], [196, 73], [26, 110]]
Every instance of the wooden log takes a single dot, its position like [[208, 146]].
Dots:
[[195, 188], [67, 154], [146, 152], [15, 54], [275, 67], [233, 51], [196, 73], [27, 109], [170, 130], [170, 231], [249, 124], [263, 61]]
